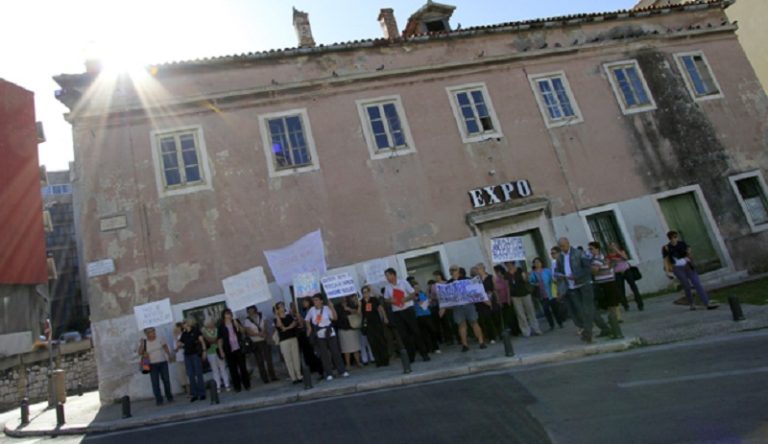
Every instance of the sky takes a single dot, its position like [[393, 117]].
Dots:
[[43, 38]]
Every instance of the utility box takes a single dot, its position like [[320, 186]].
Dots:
[[59, 380]]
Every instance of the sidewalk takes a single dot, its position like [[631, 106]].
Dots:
[[661, 322]]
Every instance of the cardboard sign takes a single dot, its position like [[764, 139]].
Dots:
[[339, 285], [306, 284], [462, 292], [100, 268], [374, 271], [507, 249], [153, 314], [247, 288], [305, 255]]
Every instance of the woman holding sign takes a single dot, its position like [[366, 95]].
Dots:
[[319, 319]]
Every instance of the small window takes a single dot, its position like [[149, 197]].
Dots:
[[436, 26], [751, 192], [474, 113], [180, 161], [605, 230], [555, 99], [385, 127], [698, 76], [630, 87], [288, 143]]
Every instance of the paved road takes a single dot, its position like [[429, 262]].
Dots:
[[713, 391]]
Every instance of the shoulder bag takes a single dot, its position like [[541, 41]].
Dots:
[[144, 365]]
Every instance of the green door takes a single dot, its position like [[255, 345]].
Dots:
[[683, 215]]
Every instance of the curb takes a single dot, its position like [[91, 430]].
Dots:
[[330, 392]]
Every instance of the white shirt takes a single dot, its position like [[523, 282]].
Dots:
[[258, 326], [393, 293], [319, 320], [568, 272]]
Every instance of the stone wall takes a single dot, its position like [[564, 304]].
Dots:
[[76, 359]]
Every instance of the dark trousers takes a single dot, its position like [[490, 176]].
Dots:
[[487, 324], [408, 329], [629, 278], [156, 372], [378, 343], [573, 311], [194, 367], [330, 354], [509, 319], [263, 353], [308, 352], [552, 312], [428, 332], [447, 328], [238, 371]]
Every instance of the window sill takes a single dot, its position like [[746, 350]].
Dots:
[[389, 153], [290, 171], [638, 110], [482, 137], [709, 97], [564, 122], [180, 190], [758, 228]]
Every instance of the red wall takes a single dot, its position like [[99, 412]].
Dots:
[[22, 237]]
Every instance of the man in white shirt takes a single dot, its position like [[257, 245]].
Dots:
[[255, 326], [319, 323], [400, 295]]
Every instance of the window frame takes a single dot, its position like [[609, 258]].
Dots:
[[495, 133], [266, 139], [370, 140], [206, 182], [757, 174], [576, 119], [634, 258], [689, 83], [617, 91]]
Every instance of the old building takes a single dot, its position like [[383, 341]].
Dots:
[[419, 148], [23, 265]]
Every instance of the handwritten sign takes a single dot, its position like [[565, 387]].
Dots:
[[153, 314], [305, 255], [100, 268], [306, 284], [338, 285], [462, 292], [507, 249], [247, 288], [374, 271]]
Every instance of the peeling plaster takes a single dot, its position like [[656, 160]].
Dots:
[[168, 228], [181, 275], [115, 250], [211, 216]]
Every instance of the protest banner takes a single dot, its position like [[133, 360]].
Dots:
[[507, 249], [374, 271], [306, 284], [338, 285], [153, 314], [305, 255], [247, 288], [461, 292]]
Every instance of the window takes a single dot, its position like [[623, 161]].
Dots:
[[474, 113], [605, 229], [436, 26], [698, 76], [555, 99], [288, 143], [56, 190], [630, 87], [385, 127], [751, 191], [181, 163]]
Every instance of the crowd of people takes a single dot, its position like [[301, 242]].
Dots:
[[331, 337]]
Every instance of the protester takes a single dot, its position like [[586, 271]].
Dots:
[[463, 314], [501, 289], [287, 326], [443, 316], [678, 261], [424, 317], [305, 345], [156, 350], [624, 273], [522, 301], [231, 348], [400, 295], [485, 309], [181, 369], [560, 284], [541, 280], [218, 366], [606, 289], [349, 324], [194, 353], [256, 327], [374, 322], [319, 319]]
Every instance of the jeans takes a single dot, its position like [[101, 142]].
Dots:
[[156, 372], [330, 354], [689, 278], [573, 309], [194, 366], [584, 301], [551, 309], [629, 278]]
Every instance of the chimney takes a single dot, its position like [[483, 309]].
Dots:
[[303, 30], [388, 24]]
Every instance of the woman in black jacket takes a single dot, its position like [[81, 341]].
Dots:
[[232, 349]]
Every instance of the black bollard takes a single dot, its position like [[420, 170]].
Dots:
[[506, 337], [213, 391], [60, 414], [738, 314], [405, 360], [306, 374], [79, 390], [24, 411], [126, 404]]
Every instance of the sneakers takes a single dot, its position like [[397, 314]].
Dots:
[[437, 352], [493, 341], [345, 374], [713, 306], [329, 378]]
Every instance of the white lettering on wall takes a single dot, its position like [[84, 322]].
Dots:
[[501, 193]]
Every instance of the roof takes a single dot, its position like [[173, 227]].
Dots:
[[517, 26]]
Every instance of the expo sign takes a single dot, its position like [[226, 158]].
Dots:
[[497, 194]]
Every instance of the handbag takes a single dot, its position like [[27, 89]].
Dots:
[[144, 364], [636, 275], [355, 321]]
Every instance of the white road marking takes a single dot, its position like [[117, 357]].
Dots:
[[698, 377]]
